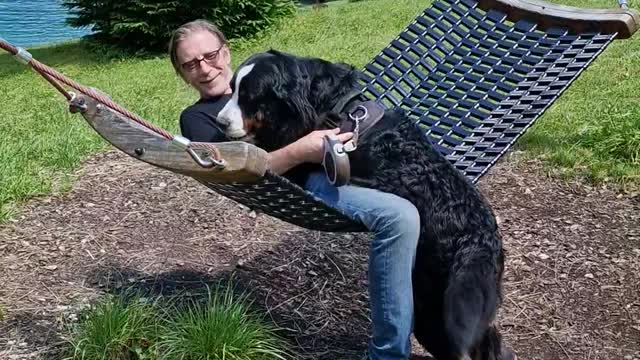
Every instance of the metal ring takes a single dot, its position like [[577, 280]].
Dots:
[[358, 118]]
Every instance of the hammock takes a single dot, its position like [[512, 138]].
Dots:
[[475, 74]]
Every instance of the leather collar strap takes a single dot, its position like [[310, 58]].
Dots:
[[370, 112], [361, 116], [340, 106]]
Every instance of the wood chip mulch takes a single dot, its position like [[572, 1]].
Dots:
[[572, 279]]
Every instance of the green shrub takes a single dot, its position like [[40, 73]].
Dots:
[[222, 327], [219, 325], [114, 330], [147, 24]]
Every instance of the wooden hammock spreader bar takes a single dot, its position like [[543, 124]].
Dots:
[[243, 162], [624, 22]]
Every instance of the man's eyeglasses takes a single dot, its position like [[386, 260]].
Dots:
[[210, 58]]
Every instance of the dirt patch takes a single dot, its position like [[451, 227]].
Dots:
[[572, 279]]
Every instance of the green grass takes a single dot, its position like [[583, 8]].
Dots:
[[223, 326], [115, 330], [592, 131]]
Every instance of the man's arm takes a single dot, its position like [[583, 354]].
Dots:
[[197, 126], [282, 160], [308, 149]]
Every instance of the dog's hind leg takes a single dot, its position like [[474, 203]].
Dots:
[[492, 347], [471, 299], [428, 327]]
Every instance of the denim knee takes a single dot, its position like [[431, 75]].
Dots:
[[399, 216], [398, 223]]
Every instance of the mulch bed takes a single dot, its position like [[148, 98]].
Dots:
[[572, 279]]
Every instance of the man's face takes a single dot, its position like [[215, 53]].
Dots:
[[204, 63]]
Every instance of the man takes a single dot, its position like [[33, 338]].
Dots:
[[200, 55]]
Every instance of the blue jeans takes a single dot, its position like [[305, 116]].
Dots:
[[395, 223]]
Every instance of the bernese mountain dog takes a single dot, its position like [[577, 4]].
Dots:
[[457, 280]]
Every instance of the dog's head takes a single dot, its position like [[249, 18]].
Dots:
[[278, 97]]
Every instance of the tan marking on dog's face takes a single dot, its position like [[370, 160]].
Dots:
[[251, 125], [254, 123]]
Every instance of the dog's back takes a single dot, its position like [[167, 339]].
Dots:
[[459, 262]]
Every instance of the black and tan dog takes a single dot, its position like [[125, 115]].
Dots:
[[279, 97]]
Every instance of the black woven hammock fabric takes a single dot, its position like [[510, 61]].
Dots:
[[475, 81], [472, 79]]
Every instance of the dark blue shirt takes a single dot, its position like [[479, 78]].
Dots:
[[198, 121]]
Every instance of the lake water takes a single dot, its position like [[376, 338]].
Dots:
[[35, 22]]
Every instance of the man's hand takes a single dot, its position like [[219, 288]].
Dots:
[[309, 148]]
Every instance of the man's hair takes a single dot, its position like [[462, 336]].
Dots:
[[183, 31]]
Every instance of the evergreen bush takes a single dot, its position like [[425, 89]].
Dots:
[[147, 24]]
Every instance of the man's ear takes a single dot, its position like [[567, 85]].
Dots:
[[226, 55]]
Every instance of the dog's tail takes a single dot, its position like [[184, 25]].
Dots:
[[471, 298]]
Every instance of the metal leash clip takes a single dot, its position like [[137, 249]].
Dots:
[[352, 144], [336, 160]]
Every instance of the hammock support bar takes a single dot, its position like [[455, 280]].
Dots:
[[243, 162], [622, 21]]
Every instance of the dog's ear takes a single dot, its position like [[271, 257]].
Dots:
[[330, 82], [294, 89], [298, 99]]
